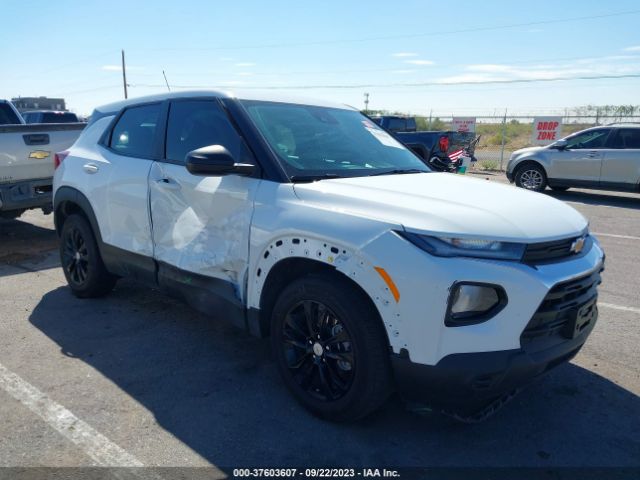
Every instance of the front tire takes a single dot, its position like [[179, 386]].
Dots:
[[331, 348], [81, 261], [531, 176]]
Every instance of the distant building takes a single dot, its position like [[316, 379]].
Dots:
[[24, 104]]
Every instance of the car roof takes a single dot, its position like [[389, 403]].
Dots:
[[624, 124], [610, 125], [115, 107]]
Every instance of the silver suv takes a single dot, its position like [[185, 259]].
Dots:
[[606, 158]]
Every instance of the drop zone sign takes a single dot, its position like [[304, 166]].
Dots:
[[463, 124], [546, 130]]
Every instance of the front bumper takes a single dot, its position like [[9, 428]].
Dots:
[[468, 382], [509, 176]]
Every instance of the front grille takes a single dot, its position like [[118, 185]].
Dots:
[[554, 315], [549, 251]]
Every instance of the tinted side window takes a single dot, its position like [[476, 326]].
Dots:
[[135, 131], [590, 139], [627, 138], [7, 116], [195, 124]]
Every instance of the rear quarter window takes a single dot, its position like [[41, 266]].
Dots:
[[627, 138], [135, 131]]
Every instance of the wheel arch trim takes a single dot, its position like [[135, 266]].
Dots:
[[527, 161], [351, 264], [74, 196]]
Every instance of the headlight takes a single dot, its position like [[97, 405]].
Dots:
[[471, 303], [466, 247]]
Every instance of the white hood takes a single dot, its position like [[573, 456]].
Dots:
[[448, 204]]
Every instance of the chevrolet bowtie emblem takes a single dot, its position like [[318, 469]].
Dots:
[[39, 154], [577, 245]]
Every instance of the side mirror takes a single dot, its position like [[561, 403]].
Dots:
[[560, 145], [215, 160]]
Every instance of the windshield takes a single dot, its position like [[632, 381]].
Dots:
[[326, 142]]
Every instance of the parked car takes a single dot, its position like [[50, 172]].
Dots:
[[26, 161], [308, 223], [49, 116], [606, 158]]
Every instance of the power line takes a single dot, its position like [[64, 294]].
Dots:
[[413, 69], [386, 85], [408, 35]]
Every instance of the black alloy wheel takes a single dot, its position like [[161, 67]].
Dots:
[[318, 350], [331, 347], [75, 257], [81, 261]]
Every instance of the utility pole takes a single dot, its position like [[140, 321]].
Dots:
[[124, 76], [430, 114], [504, 135], [165, 80], [366, 103]]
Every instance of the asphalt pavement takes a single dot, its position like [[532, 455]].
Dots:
[[137, 378]]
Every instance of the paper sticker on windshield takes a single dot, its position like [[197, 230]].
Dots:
[[384, 138]]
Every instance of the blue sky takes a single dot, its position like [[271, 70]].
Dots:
[[72, 48]]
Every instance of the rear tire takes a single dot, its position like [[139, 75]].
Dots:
[[331, 348], [81, 261], [531, 176]]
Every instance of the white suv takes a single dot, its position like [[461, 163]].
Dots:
[[307, 222]]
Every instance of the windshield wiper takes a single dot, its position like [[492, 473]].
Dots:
[[313, 178], [398, 171]]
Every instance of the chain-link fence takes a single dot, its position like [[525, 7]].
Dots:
[[501, 135]]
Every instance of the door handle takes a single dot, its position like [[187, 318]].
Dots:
[[168, 183], [592, 154], [90, 168]]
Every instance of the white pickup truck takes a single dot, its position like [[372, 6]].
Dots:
[[27, 160]]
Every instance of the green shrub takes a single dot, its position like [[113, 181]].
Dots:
[[490, 165]]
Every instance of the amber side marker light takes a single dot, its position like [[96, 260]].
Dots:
[[387, 279]]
